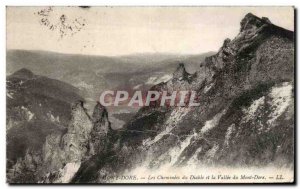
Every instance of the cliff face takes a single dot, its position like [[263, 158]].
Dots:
[[245, 117], [63, 154], [85, 139]]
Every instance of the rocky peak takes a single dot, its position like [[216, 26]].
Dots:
[[251, 21], [226, 49], [253, 32], [180, 72]]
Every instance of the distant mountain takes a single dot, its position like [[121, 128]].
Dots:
[[98, 72], [43, 62], [160, 59], [94, 74]]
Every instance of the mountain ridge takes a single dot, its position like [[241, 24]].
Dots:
[[244, 117]]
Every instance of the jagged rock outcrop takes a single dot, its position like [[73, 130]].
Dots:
[[181, 73], [48, 128], [103, 144], [100, 135], [86, 138], [245, 117], [70, 148], [75, 141]]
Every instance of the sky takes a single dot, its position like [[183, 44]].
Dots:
[[113, 31]]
